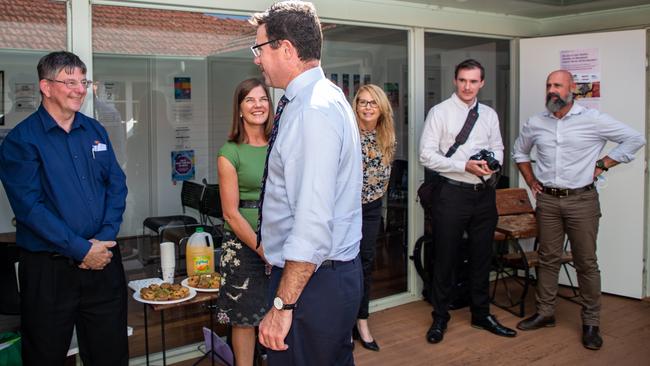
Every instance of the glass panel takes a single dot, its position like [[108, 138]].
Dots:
[[163, 87], [354, 56], [28, 31], [165, 83]]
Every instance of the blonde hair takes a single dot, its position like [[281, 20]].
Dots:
[[385, 124]]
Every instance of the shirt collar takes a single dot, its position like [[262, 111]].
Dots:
[[459, 102], [575, 109], [306, 78], [49, 123]]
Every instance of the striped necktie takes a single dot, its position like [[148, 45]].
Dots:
[[274, 134]]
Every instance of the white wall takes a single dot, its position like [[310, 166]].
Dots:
[[623, 88]]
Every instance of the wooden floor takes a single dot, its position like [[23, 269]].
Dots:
[[400, 332]]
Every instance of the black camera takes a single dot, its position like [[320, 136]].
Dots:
[[489, 158]]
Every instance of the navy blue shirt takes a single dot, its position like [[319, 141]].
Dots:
[[64, 187]]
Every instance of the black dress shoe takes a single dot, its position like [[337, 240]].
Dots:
[[536, 321], [591, 337], [491, 324], [436, 331], [372, 345]]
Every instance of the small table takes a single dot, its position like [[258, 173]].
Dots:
[[200, 297], [8, 238]]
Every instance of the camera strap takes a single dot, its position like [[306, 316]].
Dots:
[[462, 136]]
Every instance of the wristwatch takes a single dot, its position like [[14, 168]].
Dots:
[[280, 305], [600, 164]]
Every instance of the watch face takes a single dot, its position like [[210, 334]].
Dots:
[[277, 303]]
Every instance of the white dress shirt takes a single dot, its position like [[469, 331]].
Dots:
[[567, 148], [312, 204], [443, 123]]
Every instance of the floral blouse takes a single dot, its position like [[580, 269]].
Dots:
[[375, 173]]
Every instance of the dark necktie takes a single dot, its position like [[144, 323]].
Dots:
[[274, 134]]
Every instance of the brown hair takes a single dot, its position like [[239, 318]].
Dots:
[[237, 133], [385, 125], [296, 22]]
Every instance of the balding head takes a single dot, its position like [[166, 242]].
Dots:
[[559, 96], [563, 74]]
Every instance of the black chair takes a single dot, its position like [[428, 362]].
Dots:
[[211, 205], [191, 194], [397, 195]]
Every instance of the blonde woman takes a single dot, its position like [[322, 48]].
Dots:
[[375, 120]]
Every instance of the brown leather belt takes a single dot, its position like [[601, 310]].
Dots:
[[565, 192]]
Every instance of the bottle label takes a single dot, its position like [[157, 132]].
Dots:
[[202, 264]]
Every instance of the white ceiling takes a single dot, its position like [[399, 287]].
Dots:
[[533, 8]]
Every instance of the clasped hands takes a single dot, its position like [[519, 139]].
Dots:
[[99, 255], [478, 167]]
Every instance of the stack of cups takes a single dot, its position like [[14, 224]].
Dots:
[[168, 261]]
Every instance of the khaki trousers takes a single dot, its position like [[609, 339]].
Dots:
[[577, 217]]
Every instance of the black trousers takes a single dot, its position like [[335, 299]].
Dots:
[[321, 328], [459, 210], [56, 296], [369, 230]]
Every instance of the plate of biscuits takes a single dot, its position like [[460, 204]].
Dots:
[[208, 282], [164, 293]]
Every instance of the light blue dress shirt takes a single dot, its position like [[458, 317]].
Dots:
[[312, 204], [567, 148]]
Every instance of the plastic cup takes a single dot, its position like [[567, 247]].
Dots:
[[168, 274]]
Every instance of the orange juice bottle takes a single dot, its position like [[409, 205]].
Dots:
[[199, 253]]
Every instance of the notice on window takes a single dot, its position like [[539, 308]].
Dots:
[[182, 137], [183, 99], [182, 165], [25, 94], [584, 65]]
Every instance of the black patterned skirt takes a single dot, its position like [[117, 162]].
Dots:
[[244, 285]]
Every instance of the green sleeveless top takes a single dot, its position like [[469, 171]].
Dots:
[[249, 162]]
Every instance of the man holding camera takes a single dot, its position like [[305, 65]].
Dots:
[[452, 142], [569, 138]]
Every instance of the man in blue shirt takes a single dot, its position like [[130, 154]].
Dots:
[[68, 195], [311, 211]]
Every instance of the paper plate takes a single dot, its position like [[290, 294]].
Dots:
[[184, 283], [136, 296]]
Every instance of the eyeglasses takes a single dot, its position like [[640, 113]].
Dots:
[[367, 103], [74, 84], [257, 52]]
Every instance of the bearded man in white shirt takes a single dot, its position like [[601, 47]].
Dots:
[[464, 201], [569, 139]]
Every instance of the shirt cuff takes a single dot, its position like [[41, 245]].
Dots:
[[459, 166], [301, 251], [106, 233], [518, 158], [79, 248]]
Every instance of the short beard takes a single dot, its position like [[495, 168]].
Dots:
[[559, 103]]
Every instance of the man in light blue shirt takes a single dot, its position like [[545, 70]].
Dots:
[[569, 139], [311, 204]]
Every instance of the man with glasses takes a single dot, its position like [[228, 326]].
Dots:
[[465, 203], [68, 194], [311, 197]]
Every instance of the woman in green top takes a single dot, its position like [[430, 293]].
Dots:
[[242, 299]]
